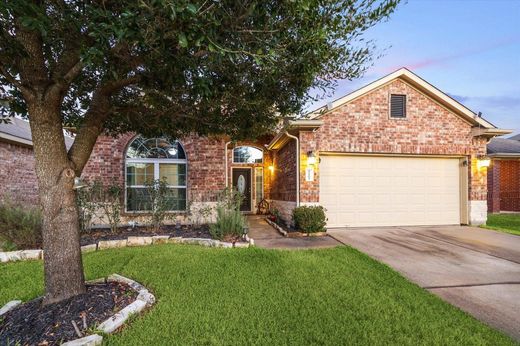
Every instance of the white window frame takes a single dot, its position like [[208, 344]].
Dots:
[[156, 163], [246, 163]]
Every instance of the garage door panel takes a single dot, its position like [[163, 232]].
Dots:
[[389, 191]]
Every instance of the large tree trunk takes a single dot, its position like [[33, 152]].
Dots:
[[61, 247]]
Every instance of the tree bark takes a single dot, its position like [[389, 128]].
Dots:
[[63, 266]]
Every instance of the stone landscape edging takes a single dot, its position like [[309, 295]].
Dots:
[[143, 300], [293, 234], [23, 255]]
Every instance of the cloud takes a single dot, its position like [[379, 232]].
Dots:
[[436, 61]]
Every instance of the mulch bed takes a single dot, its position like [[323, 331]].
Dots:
[[34, 324], [184, 231]]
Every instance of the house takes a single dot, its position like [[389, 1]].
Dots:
[[504, 174], [395, 152], [17, 172]]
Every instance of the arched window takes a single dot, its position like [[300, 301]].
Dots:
[[246, 154], [149, 159]]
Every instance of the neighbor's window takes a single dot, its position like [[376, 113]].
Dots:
[[397, 106], [247, 155], [149, 159]]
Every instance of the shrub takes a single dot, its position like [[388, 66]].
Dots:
[[310, 219], [20, 226], [103, 202], [229, 222], [157, 192]]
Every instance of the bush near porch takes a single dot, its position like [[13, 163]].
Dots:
[[271, 297], [509, 223]]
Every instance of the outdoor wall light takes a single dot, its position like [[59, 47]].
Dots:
[[483, 161], [271, 168], [311, 158], [78, 183]]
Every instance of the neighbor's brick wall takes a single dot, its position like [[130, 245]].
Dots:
[[510, 185], [364, 126], [494, 186], [17, 175]]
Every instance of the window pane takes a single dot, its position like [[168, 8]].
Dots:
[[175, 174], [153, 148], [139, 173], [247, 155], [176, 198], [137, 199], [259, 184]]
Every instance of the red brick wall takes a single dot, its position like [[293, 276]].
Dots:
[[17, 175], [493, 179], [283, 183], [510, 185], [206, 165], [364, 126]]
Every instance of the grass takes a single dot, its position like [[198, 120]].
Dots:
[[509, 223], [267, 297]]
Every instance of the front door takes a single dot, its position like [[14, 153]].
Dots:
[[242, 182]]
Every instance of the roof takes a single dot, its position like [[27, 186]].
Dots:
[[420, 84], [18, 131], [516, 138], [504, 147]]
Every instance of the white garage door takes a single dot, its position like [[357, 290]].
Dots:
[[360, 191]]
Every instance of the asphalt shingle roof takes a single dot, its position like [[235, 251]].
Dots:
[[503, 146], [20, 128]]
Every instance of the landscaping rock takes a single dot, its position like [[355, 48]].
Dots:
[[119, 319], [89, 248], [160, 239], [110, 244], [11, 256], [139, 241], [91, 340], [238, 244], [31, 254], [174, 240], [146, 297], [10, 305], [222, 244]]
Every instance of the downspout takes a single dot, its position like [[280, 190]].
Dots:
[[297, 167], [225, 163]]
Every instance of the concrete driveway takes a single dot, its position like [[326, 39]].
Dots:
[[475, 269]]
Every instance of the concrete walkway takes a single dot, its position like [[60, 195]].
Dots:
[[266, 236], [474, 269]]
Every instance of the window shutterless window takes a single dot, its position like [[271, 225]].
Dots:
[[247, 155], [149, 159], [397, 106]]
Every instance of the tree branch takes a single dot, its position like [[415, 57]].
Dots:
[[27, 93]]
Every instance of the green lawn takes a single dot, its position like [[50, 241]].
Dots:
[[254, 296], [509, 223]]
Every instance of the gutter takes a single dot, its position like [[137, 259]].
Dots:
[[297, 167]]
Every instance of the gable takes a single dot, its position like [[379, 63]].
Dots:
[[420, 85]]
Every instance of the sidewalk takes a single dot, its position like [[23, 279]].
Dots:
[[267, 237]]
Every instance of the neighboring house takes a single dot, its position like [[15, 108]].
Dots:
[[504, 174], [395, 152], [17, 174]]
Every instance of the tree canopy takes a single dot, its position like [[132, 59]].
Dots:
[[161, 67]]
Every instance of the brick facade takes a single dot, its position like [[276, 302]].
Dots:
[[205, 166], [364, 126], [504, 184], [17, 174]]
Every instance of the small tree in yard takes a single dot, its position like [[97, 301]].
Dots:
[[161, 67], [159, 203]]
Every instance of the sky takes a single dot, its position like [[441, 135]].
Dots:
[[470, 49]]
